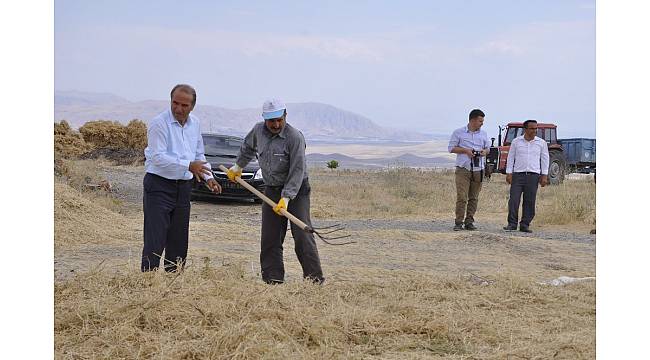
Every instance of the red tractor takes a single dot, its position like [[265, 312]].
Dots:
[[496, 159]]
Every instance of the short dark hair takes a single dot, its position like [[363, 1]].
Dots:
[[186, 89], [528, 122], [476, 113]]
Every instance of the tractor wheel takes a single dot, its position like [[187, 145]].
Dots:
[[556, 167]]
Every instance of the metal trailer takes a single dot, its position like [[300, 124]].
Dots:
[[580, 154]]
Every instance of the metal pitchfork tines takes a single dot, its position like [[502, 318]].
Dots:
[[320, 232]]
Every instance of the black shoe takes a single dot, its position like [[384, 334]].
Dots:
[[274, 281], [315, 280], [458, 227], [510, 228], [525, 229], [470, 226]]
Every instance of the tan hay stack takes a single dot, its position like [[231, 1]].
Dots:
[[113, 135], [67, 142], [136, 134], [78, 220], [105, 134]]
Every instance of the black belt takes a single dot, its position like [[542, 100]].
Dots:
[[175, 181], [527, 173]]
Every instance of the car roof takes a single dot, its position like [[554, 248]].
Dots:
[[222, 136]]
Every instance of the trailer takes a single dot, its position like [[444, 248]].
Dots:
[[580, 154]]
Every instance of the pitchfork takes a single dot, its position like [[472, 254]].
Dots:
[[316, 231]]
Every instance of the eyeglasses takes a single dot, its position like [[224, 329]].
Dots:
[[530, 128]]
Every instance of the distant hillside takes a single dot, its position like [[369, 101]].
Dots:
[[317, 121]]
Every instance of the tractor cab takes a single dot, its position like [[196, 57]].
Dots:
[[498, 155]]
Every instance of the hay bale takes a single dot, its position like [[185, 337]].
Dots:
[[68, 144], [136, 133], [62, 128], [105, 134]]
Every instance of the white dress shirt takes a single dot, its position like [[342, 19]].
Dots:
[[171, 147], [528, 156]]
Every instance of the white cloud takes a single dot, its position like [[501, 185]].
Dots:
[[556, 39], [260, 44]]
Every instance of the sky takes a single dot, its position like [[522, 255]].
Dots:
[[417, 65]]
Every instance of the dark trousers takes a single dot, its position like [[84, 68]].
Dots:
[[274, 230], [166, 221], [527, 184]]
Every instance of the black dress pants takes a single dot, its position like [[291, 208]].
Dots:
[[166, 222], [525, 183], [274, 230]]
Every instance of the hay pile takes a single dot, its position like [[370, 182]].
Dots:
[[68, 143], [124, 145], [113, 135], [136, 135], [224, 312], [79, 220]]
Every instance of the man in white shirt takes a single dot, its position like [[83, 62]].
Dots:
[[471, 145], [174, 156], [526, 169]]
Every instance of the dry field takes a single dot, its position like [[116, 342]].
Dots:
[[433, 148], [410, 288]]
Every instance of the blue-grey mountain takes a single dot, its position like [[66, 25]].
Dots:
[[317, 121]]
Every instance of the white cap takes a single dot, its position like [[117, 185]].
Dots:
[[273, 109]]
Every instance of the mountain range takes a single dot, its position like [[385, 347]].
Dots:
[[317, 121]]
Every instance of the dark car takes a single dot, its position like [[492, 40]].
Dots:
[[223, 150]]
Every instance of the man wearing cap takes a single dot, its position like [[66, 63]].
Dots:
[[174, 155], [281, 151]]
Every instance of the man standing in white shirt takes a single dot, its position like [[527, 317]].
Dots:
[[526, 169], [470, 144], [174, 155]]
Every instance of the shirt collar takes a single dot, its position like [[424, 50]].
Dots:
[[171, 119], [470, 131], [281, 134]]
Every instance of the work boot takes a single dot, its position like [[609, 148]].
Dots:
[[470, 226], [458, 227], [510, 227], [525, 229]]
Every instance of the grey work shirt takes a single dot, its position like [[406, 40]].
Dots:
[[281, 156]]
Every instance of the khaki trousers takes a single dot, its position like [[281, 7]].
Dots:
[[467, 189]]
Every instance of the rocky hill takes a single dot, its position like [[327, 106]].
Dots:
[[317, 121]]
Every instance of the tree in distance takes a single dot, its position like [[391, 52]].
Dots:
[[332, 164]]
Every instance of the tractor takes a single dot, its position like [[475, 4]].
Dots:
[[498, 155]]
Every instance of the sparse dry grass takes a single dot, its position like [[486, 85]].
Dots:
[[78, 173], [223, 313], [386, 297], [411, 193]]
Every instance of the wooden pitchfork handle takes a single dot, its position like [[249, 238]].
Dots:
[[284, 212]]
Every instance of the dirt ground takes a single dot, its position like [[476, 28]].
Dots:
[[225, 231]]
